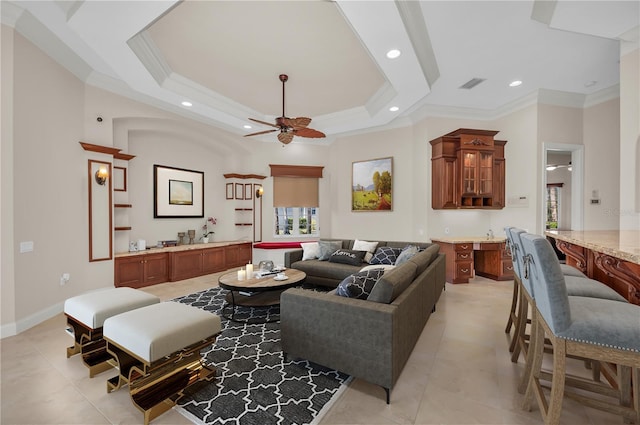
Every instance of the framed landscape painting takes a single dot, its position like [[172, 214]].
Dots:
[[177, 193], [372, 185]]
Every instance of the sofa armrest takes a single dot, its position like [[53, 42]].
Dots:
[[350, 335], [291, 257]]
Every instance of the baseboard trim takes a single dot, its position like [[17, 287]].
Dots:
[[30, 321]]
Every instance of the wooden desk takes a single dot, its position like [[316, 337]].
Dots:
[[610, 256], [468, 255]]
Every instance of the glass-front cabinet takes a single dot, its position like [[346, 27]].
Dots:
[[478, 170]]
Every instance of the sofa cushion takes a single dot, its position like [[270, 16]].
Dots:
[[327, 248], [385, 255], [393, 283], [310, 250], [423, 258], [326, 270], [407, 253], [359, 285], [368, 247], [347, 256]]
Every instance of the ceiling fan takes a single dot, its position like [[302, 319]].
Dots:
[[289, 127]]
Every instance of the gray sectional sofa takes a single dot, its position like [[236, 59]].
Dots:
[[366, 339], [326, 273]]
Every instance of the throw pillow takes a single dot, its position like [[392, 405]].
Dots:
[[310, 250], [385, 267], [359, 285], [327, 248], [385, 255], [368, 247], [347, 256], [408, 252]]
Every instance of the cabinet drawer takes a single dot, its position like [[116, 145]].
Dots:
[[463, 247], [464, 270], [462, 256], [507, 268]]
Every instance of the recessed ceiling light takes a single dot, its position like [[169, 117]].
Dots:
[[186, 103], [394, 109], [393, 53], [247, 126], [515, 83]]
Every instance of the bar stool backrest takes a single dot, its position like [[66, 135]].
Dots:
[[548, 282], [520, 260]]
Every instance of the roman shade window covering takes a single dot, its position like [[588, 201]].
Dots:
[[295, 192], [295, 186]]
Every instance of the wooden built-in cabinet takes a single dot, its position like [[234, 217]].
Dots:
[[196, 262], [467, 170], [150, 268], [141, 270], [464, 258]]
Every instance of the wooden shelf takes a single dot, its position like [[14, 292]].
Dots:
[[244, 209], [244, 224], [243, 176], [122, 205], [117, 229], [123, 156]]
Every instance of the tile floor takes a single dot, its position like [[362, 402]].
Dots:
[[459, 373]]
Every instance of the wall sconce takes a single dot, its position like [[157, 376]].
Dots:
[[259, 192], [101, 175]]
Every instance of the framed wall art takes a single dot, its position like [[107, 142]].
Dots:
[[229, 190], [239, 191], [177, 193], [372, 185]]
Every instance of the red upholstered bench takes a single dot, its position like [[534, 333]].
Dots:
[[278, 245]]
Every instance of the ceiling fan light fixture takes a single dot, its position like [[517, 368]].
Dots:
[[247, 126], [551, 167], [393, 53]]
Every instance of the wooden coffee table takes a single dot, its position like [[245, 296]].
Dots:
[[256, 292]]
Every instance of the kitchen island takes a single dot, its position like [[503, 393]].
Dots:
[[610, 256]]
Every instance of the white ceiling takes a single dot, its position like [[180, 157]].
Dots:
[[225, 56]]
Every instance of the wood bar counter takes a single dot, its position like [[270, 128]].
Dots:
[[610, 256]]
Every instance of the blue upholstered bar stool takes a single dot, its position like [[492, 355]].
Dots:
[[577, 285], [603, 330]]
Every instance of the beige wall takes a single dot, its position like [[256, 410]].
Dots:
[[602, 160], [629, 210], [44, 177]]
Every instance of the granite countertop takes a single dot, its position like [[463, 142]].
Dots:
[[623, 244], [178, 248], [469, 239]]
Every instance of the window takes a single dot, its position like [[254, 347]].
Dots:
[[306, 219], [553, 204]]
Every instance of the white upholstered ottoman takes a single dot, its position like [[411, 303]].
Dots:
[[86, 314], [157, 350]]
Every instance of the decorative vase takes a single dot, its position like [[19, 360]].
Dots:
[[192, 236], [205, 239]]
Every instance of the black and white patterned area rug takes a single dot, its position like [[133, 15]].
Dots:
[[254, 384]]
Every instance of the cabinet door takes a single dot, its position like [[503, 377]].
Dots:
[[186, 264], [485, 174], [443, 192], [213, 260], [469, 173], [129, 271], [499, 183], [156, 268]]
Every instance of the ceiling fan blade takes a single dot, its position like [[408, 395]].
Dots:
[[285, 138], [260, 132], [264, 122], [296, 123], [308, 132]]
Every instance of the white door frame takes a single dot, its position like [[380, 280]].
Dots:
[[577, 182]]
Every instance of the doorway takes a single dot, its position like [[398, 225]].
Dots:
[[562, 186]]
